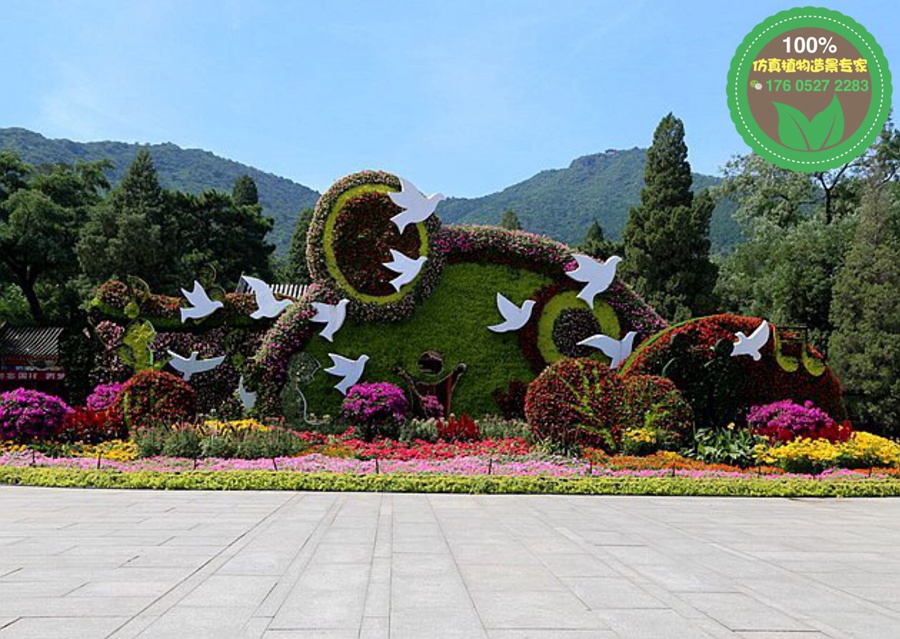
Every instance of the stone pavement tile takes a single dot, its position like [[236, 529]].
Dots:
[[61, 627], [576, 565], [375, 628], [342, 553], [484, 553], [378, 592], [325, 596], [316, 633], [533, 609], [858, 624], [102, 589], [436, 622], [740, 612], [651, 624], [39, 588], [555, 633], [499, 577], [226, 590], [802, 634], [5, 621], [198, 623], [604, 592], [14, 606]]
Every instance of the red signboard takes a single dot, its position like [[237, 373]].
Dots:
[[32, 376]]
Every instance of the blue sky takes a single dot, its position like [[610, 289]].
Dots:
[[463, 97]]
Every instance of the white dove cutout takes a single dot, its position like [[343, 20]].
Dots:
[[267, 305], [349, 369], [248, 399], [417, 206], [407, 267], [514, 317], [617, 350], [597, 276], [201, 305], [189, 366], [751, 345], [332, 315]]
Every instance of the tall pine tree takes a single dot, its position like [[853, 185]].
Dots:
[[296, 271], [510, 221], [244, 191], [865, 345], [667, 237]]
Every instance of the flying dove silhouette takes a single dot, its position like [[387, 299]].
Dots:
[[349, 369], [596, 275], [514, 317], [201, 305], [417, 206], [751, 345], [248, 399], [617, 350], [189, 366], [332, 315], [407, 267], [266, 304]]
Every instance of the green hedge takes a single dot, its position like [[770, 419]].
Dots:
[[290, 480]]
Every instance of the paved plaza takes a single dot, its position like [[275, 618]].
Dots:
[[123, 564]]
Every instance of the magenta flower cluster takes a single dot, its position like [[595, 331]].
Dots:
[[103, 396], [785, 421], [28, 415], [374, 404]]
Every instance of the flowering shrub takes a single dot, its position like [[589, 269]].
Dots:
[[117, 450], [804, 455], [30, 416], [432, 407], [785, 421], [151, 398], [377, 409], [103, 396], [720, 388], [461, 429], [89, 427], [656, 405], [576, 402]]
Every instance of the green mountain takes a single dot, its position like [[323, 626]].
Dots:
[[189, 170], [562, 203]]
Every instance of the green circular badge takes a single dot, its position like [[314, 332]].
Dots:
[[809, 89]]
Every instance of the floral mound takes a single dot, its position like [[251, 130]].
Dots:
[[696, 355]]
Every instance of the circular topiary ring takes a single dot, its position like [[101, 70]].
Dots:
[[350, 238]]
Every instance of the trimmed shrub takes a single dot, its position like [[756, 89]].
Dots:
[[576, 402], [696, 355], [152, 398], [655, 406], [785, 421], [103, 396], [89, 427], [28, 416], [432, 407], [377, 409], [458, 429]]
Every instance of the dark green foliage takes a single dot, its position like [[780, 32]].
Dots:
[[188, 170], [296, 271], [244, 192], [40, 212], [667, 237], [865, 346], [733, 446], [510, 221], [596, 245]]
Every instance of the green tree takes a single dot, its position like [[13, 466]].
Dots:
[[133, 232], [244, 192], [296, 270], [510, 221], [40, 212], [666, 238], [217, 232], [596, 245], [865, 345]]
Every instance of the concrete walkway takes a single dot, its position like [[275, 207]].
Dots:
[[93, 564]]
